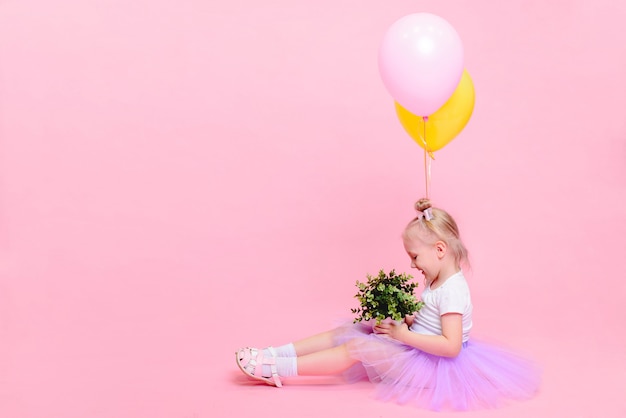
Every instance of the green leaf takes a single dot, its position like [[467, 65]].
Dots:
[[386, 295]]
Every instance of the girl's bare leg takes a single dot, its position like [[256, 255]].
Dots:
[[318, 342], [325, 362]]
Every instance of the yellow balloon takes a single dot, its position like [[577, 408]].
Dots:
[[446, 123]]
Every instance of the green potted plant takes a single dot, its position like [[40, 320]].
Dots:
[[386, 296]]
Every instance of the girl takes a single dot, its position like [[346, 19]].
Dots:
[[428, 359]]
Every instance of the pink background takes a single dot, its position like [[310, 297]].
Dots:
[[181, 178]]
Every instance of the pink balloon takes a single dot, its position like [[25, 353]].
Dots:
[[421, 62]]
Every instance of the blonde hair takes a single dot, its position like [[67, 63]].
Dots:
[[440, 227]]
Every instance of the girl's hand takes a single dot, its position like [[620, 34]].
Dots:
[[393, 329]]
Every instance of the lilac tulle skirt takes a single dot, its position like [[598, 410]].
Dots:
[[483, 375]]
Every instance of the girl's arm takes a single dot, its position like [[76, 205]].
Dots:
[[446, 345]]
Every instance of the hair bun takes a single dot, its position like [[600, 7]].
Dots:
[[423, 204]]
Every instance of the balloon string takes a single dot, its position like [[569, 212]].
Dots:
[[427, 165], [427, 160]]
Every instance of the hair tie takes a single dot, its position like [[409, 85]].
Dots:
[[428, 214]]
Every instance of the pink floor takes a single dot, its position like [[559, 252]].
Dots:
[[179, 179]]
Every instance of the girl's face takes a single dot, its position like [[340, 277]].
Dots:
[[423, 257]]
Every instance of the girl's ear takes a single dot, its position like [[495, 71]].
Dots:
[[441, 248]]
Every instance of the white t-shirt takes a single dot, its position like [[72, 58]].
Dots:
[[453, 296]]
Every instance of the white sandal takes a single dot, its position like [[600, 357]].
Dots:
[[248, 359]]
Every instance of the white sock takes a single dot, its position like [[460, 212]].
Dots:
[[287, 350], [285, 367]]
